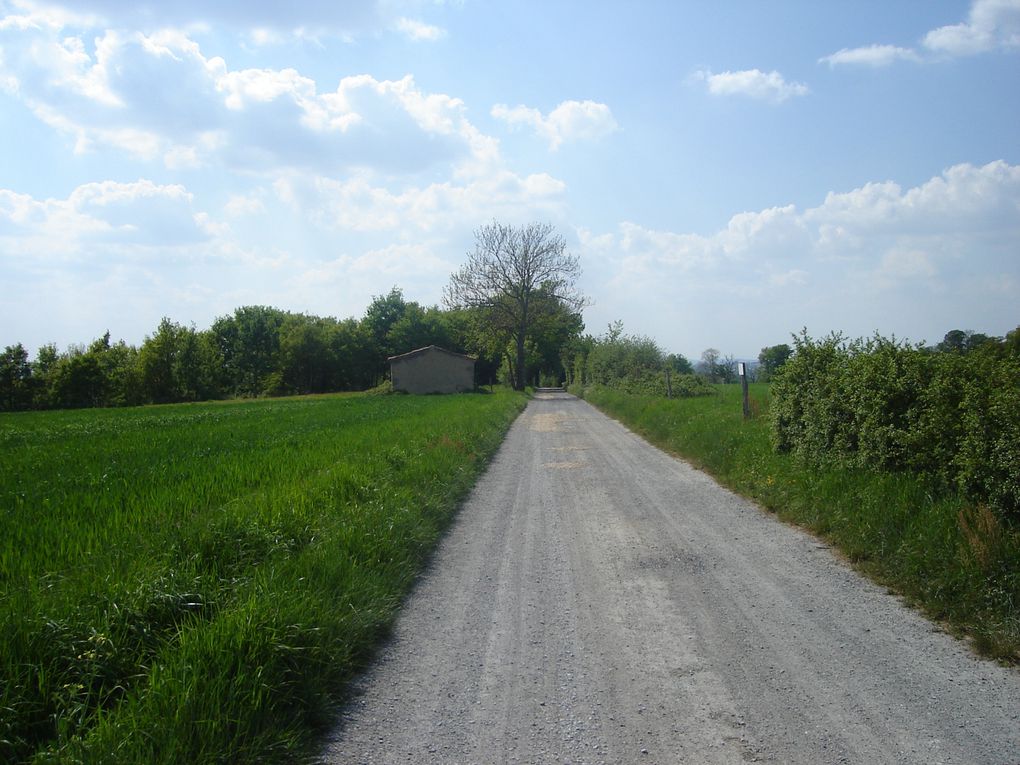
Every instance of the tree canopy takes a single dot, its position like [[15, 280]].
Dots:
[[772, 359], [517, 279]]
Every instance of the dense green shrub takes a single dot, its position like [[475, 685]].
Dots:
[[634, 364], [653, 383], [810, 415], [988, 461], [882, 404]]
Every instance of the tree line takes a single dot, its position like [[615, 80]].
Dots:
[[260, 351], [631, 363], [513, 305]]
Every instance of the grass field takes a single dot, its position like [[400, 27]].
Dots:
[[194, 583], [957, 562]]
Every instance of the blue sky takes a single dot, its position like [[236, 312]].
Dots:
[[727, 172]]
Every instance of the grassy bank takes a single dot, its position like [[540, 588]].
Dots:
[[194, 583], [955, 561]]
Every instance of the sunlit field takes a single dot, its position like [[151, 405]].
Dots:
[[195, 582]]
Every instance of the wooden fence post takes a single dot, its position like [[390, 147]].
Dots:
[[742, 371]]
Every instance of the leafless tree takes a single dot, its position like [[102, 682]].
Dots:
[[510, 276]]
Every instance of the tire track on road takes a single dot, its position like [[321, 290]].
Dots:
[[598, 601]]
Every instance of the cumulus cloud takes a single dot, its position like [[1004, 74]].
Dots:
[[419, 30], [141, 215], [964, 207], [241, 205], [991, 24], [933, 247], [356, 204], [306, 19], [570, 121], [753, 83], [157, 97], [871, 55]]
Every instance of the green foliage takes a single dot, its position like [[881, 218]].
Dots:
[[963, 341], [634, 364], [397, 326], [717, 368], [194, 583], [179, 364], [771, 360], [102, 375], [248, 342], [15, 379], [957, 560], [952, 417], [676, 362], [259, 351], [519, 282]]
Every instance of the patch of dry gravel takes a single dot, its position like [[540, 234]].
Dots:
[[598, 601]]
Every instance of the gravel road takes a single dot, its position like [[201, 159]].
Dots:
[[598, 601]]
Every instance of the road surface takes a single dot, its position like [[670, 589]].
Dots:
[[598, 601]]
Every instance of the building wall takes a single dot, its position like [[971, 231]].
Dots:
[[433, 372]]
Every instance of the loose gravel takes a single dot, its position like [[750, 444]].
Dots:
[[598, 601]]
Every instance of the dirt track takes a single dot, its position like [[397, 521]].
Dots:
[[600, 602]]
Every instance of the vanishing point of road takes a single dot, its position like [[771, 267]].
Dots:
[[598, 601]]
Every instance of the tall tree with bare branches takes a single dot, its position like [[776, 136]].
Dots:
[[514, 276]]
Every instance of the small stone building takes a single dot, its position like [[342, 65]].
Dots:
[[432, 370]]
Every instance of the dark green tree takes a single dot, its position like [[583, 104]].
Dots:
[[248, 342], [158, 360], [15, 378], [178, 363], [381, 315], [417, 328], [307, 362], [78, 379], [119, 362], [679, 364], [964, 341], [356, 356], [1011, 343], [771, 360]]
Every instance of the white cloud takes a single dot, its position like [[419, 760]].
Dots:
[[356, 204], [240, 205], [32, 16], [159, 98], [418, 30], [871, 55], [570, 121], [991, 24], [308, 18], [753, 83], [399, 261], [904, 264], [794, 277], [874, 257], [99, 218]]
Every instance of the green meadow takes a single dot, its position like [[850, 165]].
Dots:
[[953, 558], [195, 583]]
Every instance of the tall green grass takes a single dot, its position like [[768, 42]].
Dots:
[[955, 560], [194, 583]]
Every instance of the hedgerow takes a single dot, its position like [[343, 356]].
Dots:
[[634, 364], [952, 418]]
